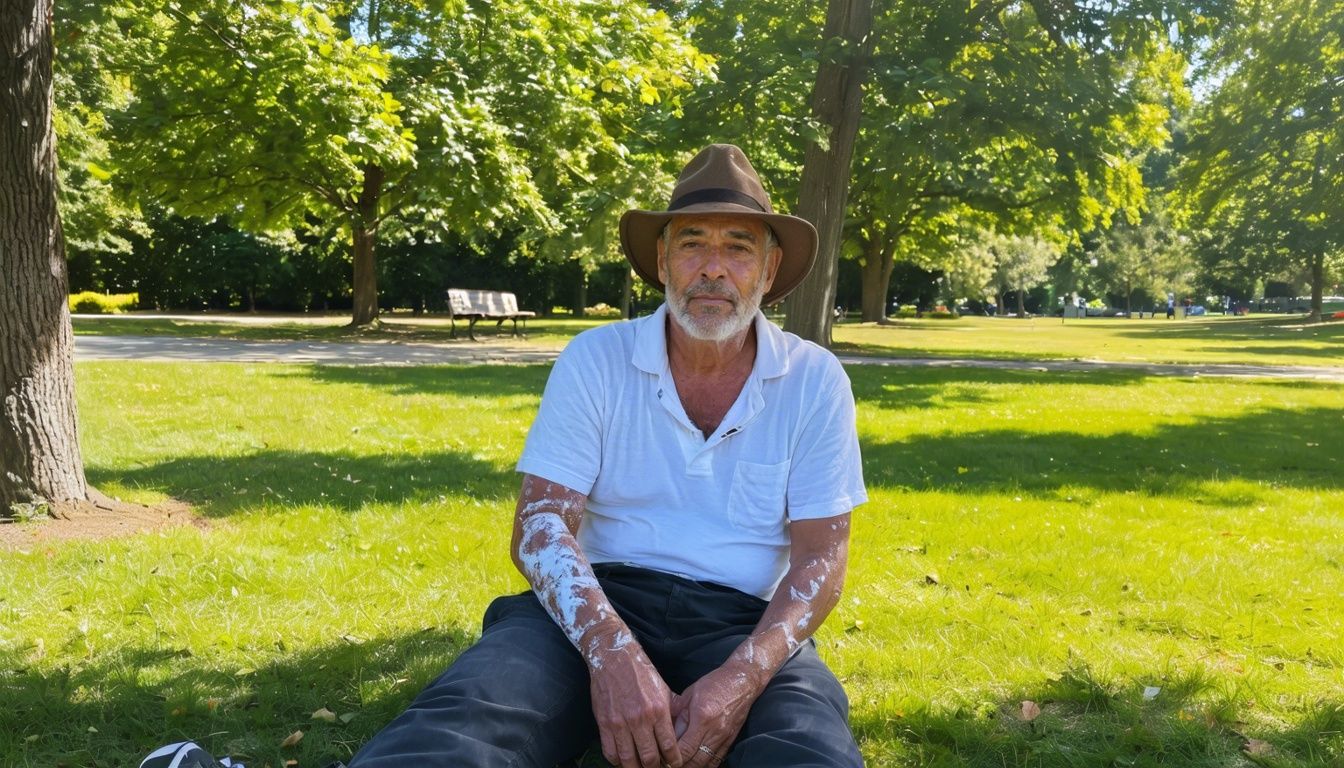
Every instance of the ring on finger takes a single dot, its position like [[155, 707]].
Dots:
[[709, 752]]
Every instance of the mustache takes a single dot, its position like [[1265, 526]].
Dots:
[[711, 289]]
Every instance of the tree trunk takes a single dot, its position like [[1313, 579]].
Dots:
[[1001, 310], [836, 102], [39, 438], [1021, 304], [875, 275], [364, 225], [581, 294], [1317, 288]]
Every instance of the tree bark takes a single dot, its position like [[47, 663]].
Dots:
[[364, 226], [837, 98], [1021, 304], [39, 439], [879, 262], [1317, 288]]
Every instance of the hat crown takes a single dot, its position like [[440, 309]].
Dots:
[[720, 173]]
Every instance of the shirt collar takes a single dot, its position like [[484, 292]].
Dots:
[[650, 353]]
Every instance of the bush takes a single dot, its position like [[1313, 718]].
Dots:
[[94, 303], [601, 310]]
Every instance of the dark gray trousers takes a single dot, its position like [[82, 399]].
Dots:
[[519, 696]]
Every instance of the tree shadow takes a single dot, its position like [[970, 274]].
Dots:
[[1083, 721], [224, 485], [117, 706], [483, 381], [1298, 447], [1256, 331], [908, 388]]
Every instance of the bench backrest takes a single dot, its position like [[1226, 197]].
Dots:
[[463, 301]]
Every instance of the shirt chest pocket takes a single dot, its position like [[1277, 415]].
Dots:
[[756, 501]]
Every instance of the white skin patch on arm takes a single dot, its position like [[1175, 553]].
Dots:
[[561, 577]]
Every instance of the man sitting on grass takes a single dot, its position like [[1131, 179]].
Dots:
[[683, 523]]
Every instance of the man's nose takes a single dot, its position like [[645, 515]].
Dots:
[[715, 262]]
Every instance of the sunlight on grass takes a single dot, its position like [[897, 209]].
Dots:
[[1261, 340], [1072, 540]]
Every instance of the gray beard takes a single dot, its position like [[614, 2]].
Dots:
[[714, 328]]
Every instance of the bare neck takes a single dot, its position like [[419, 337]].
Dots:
[[689, 355]]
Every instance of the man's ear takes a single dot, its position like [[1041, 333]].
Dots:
[[662, 261], [772, 262]]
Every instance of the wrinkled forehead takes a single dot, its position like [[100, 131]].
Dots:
[[737, 227]]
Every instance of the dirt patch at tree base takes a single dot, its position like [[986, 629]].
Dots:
[[94, 519]]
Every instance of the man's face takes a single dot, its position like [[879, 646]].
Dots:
[[716, 268]]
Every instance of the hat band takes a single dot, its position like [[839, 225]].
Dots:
[[716, 195]]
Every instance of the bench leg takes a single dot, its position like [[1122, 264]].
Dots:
[[453, 334], [471, 328]]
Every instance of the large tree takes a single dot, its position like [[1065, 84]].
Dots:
[[39, 443], [1265, 167], [837, 99], [1029, 117], [464, 118]]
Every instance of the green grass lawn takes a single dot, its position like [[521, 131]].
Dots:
[[1262, 340], [1072, 540]]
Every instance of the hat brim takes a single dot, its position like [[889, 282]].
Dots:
[[797, 239]]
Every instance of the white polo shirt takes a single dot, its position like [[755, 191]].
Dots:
[[661, 495]]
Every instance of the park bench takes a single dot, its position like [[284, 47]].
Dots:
[[474, 306]]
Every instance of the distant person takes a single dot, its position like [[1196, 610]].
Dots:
[[1171, 307]]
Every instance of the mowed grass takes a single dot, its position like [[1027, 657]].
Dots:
[[1155, 563], [1261, 340]]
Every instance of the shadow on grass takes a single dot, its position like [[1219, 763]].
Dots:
[[899, 388], [1084, 722], [223, 485], [1280, 447], [489, 382], [118, 705]]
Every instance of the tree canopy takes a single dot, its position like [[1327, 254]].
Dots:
[[452, 118], [1264, 170]]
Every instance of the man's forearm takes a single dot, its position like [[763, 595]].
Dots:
[[805, 597], [551, 561]]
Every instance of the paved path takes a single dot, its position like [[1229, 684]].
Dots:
[[168, 348]]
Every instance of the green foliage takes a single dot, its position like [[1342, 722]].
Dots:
[[94, 303], [1151, 259], [1022, 118], [1265, 169], [456, 120], [95, 217]]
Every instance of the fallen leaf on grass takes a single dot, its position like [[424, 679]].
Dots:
[[1030, 710], [1150, 692], [930, 578], [292, 739], [1256, 747], [347, 717], [325, 715]]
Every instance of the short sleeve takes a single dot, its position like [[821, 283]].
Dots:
[[564, 444], [826, 473]]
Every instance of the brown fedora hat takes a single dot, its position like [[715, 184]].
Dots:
[[721, 180]]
